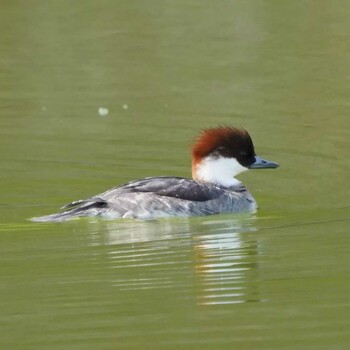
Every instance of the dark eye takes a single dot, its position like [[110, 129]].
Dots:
[[244, 154]]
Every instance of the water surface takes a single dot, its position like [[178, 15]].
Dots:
[[164, 70]]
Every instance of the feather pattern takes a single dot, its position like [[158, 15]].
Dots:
[[159, 197]]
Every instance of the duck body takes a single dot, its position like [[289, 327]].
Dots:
[[218, 155], [163, 196]]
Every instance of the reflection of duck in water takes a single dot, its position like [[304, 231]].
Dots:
[[227, 257], [218, 155], [214, 260]]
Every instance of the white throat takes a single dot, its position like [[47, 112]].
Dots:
[[220, 171]]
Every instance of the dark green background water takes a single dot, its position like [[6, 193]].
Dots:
[[165, 70]]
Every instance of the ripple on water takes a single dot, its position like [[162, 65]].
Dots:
[[210, 260]]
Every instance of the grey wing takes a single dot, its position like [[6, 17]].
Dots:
[[174, 187], [161, 194], [155, 189]]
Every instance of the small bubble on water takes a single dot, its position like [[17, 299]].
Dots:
[[102, 111]]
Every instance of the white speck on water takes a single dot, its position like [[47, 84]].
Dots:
[[43, 108], [125, 106], [102, 111]]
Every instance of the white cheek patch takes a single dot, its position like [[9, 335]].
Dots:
[[219, 170]]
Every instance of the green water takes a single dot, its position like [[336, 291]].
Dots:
[[165, 70]]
